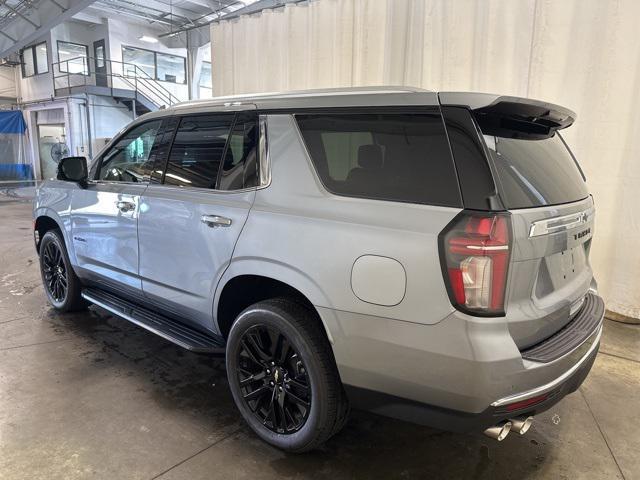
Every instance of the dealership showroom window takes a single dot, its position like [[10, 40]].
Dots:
[[319, 239]]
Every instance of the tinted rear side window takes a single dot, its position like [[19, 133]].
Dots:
[[197, 150], [388, 156], [535, 172], [240, 167]]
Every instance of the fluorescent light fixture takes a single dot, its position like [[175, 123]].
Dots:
[[148, 39]]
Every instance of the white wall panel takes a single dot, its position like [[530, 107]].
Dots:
[[8, 83], [584, 54]]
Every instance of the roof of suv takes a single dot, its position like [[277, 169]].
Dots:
[[383, 96], [319, 98]]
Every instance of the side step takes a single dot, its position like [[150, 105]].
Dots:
[[169, 329]]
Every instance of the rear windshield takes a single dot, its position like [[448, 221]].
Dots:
[[535, 172], [388, 156]]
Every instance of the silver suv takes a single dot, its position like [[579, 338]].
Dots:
[[421, 255]]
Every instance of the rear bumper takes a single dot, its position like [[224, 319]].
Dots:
[[461, 374], [459, 421]]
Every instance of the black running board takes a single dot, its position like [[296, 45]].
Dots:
[[167, 328]]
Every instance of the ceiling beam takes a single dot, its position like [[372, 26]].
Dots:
[[22, 40], [8, 36], [24, 17], [63, 9]]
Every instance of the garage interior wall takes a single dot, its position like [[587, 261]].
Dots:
[[583, 54], [7, 84]]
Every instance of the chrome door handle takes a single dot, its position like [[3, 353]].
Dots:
[[125, 207], [215, 221]]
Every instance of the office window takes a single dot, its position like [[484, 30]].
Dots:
[[205, 75], [34, 60], [161, 66], [42, 63], [73, 58], [170, 68], [99, 56], [144, 59], [28, 64], [197, 150]]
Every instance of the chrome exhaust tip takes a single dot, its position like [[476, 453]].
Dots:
[[521, 424], [498, 432]]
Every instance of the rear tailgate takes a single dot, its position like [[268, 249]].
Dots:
[[549, 274], [539, 182]]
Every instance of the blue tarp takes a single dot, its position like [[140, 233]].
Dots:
[[16, 171], [11, 121]]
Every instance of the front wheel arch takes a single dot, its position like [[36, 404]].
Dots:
[[41, 226]]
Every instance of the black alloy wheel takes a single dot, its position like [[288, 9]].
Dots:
[[61, 284], [283, 376], [273, 380], [54, 271]]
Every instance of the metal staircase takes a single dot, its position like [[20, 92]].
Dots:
[[125, 82]]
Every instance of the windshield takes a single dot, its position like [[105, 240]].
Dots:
[[536, 172]]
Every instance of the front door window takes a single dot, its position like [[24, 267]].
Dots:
[[128, 159]]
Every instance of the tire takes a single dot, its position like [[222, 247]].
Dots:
[[60, 282], [308, 363]]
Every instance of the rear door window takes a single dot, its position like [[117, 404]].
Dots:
[[400, 157], [535, 172], [240, 167], [197, 150]]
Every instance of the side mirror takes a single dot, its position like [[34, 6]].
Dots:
[[73, 169]]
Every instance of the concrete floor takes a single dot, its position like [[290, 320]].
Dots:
[[91, 396]]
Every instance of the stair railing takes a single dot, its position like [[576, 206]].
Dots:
[[78, 72]]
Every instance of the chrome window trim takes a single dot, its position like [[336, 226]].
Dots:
[[264, 173], [200, 189], [116, 182], [558, 224]]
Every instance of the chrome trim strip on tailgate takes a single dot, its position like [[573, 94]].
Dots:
[[554, 383], [558, 224]]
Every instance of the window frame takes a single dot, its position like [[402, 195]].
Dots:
[[36, 70], [96, 174], [60, 62], [380, 110], [155, 62], [228, 145], [181, 117], [262, 162]]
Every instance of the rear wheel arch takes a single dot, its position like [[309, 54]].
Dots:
[[241, 291]]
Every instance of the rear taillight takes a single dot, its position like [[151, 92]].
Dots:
[[474, 252]]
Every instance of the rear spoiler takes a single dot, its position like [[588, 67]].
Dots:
[[512, 117]]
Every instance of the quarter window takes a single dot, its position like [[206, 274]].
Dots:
[[240, 167], [129, 159], [197, 150], [401, 157]]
